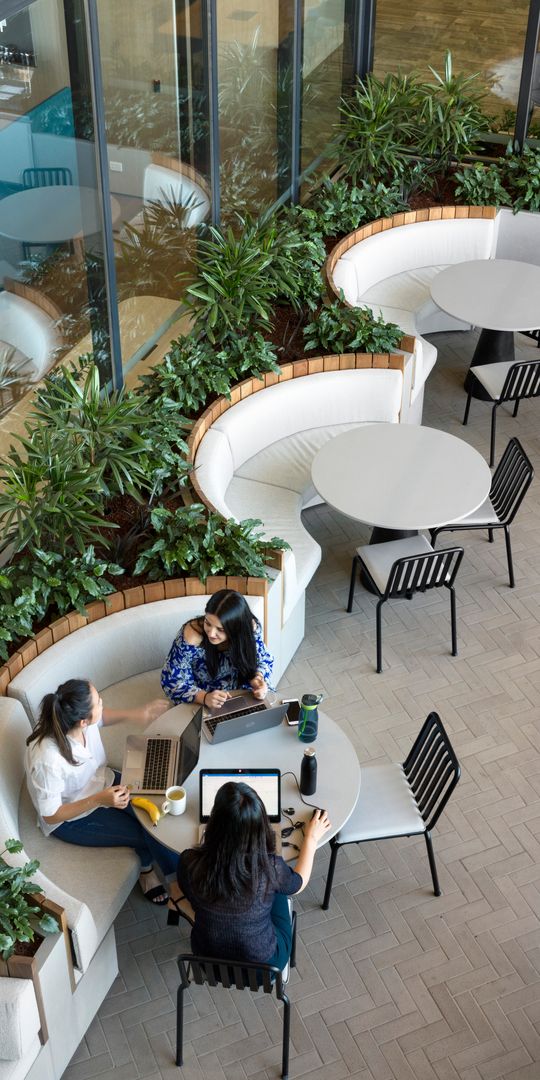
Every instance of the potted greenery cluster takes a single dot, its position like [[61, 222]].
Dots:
[[23, 922]]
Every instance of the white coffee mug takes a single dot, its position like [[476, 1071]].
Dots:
[[175, 801]]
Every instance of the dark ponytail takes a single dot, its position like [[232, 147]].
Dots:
[[61, 712]]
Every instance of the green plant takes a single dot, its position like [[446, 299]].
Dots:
[[450, 116], [342, 207], [379, 127], [340, 329], [20, 919], [19, 609], [481, 185], [522, 177], [94, 426], [65, 582], [192, 540], [233, 290]]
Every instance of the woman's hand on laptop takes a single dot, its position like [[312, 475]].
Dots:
[[214, 699], [259, 687]]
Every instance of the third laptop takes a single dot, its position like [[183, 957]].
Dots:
[[241, 716]]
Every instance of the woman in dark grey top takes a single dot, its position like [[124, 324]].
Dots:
[[238, 886]]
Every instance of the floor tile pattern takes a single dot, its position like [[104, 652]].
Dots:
[[391, 983]]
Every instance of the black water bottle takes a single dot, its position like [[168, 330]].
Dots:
[[308, 772]]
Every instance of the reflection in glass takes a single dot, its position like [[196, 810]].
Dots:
[[325, 66], [52, 296]]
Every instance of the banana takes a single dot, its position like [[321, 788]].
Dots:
[[150, 807]]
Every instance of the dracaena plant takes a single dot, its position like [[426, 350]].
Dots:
[[340, 329], [379, 128], [191, 540], [20, 918], [450, 116]]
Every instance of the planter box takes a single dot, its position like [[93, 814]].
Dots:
[[32, 967]]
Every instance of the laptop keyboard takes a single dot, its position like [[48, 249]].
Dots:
[[213, 721], [156, 766]]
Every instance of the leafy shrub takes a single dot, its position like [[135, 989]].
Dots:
[[341, 207], [379, 127], [340, 329], [481, 185], [190, 540], [450, 116], [20, 919], [522, 176]]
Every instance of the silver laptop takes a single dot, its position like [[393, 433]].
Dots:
[[239, 716], [152, 764], [266, 782]]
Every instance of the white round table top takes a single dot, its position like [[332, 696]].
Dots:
[[496, 294], [401, 476], [52, 215], [338, 775]]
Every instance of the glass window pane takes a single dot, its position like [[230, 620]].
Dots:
[[326, 67], [156, 106], [52, 293]]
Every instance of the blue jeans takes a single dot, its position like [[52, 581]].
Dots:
[[109, 827], [283, 928]]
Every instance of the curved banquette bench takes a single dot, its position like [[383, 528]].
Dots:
[[389, 265], [120, 646], [252, 455]]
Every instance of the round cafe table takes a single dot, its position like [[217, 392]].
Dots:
[[400, 478], [52, 215], [338, 775], [500, 295]]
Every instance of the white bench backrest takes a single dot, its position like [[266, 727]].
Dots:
[[160, 183], [408, 247], [364, 395], [518, 236], [29, 329], [111, 649]]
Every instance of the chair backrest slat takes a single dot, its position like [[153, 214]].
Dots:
[[432, 770], [522, 381], [243, 975], [417, 573], [51, 176], [511, 480]]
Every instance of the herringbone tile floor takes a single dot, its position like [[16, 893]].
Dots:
[[391, 983]]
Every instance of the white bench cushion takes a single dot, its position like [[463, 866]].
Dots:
[[160, 182], [287, 462], [385, 806], [19, 1020], [380, 558]]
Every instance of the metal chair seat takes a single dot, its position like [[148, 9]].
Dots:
[[402, 800]]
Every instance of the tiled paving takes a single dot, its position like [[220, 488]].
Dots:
[[391, 983]]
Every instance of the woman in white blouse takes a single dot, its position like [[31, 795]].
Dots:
[[77, 797]]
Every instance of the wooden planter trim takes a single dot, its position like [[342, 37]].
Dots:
[[120, 601], [27, 967], [433, 213], [294, 370]]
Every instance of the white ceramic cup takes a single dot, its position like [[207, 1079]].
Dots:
[[175, 801]]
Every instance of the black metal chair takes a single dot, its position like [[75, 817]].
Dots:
[[402, 800], [399, 568], [243, 976], [511, 481], [51, 176], [506, 382]]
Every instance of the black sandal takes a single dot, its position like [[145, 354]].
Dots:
[[173, 914], [158, 895]]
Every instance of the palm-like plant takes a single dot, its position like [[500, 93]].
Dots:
[[379, 127], [450, 116]]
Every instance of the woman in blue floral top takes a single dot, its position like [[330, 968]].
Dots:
[[221, 651]]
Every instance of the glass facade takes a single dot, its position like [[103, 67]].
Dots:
[[205, 109]]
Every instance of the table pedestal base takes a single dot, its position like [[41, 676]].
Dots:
[[383, 536], [492, 347]]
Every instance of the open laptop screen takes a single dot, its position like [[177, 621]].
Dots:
[[190, 743], [266, 782]]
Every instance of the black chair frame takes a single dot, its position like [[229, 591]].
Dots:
[[413, 573], [432, 770], [522, 381], [511, 481], [241, 974]]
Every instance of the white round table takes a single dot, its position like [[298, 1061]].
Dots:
[[400, 477], [52, 215], [338, 775], [499, 295]]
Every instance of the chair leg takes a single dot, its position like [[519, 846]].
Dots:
[[286, 1036], [180, 1026], [493, 432], [516, 407], [432, 866], [467, 407], [509, 556], [490, 535], [330, 875], [352, 586], [453, 620], [379, 636], [292, 958]]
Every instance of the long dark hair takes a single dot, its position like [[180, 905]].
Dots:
[[61, 712], [234, 856], [237, 619]]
